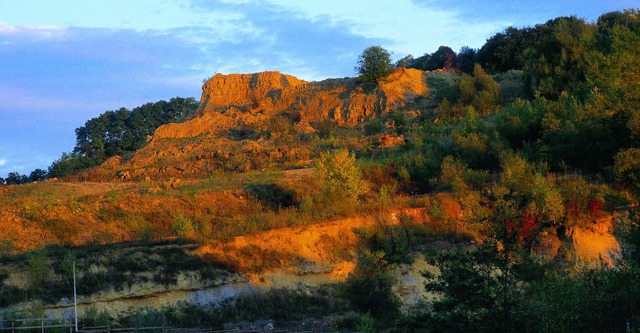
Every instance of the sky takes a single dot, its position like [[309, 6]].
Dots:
[[66, 61]]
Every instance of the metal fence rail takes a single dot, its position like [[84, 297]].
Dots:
[[43, 325]]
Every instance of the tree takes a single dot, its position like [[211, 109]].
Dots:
[[38, 175], [405, 61], [627, 168], [559, 59], [70, 163], [444, 57], [467, 57], [373, 64], [480, 292], [14, 178]]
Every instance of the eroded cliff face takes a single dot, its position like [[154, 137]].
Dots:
[[248, 103], [228, 99]]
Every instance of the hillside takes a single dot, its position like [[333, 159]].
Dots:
[[244, 120], [426, 200]]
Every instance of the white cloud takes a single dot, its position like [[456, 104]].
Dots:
[[3, 161], [43, 31], [404, 25]]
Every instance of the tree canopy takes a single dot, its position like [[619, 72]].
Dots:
[[373, 64], [119, 132]]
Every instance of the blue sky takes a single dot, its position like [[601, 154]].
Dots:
[[63, 62]]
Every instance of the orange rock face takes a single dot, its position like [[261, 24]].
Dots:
[[244, 102], [342, 100]]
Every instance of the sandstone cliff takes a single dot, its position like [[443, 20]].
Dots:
[[236, 123]]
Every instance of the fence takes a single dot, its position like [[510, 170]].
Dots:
[[49, 325]]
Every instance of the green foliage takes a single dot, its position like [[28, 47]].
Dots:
[[481, 91], [326, 129], [92, 317], [627, 168], [457, 177], [6, 248], [369, 287], [598, 300], [373, 64], [339, 175], [547, 199], [516, 174], [374, 126], [273, 196], [479, 290], [38, 269], [467, 58], [70, 163], [183, 226], [119, 132], [558, 60], [452, 175]]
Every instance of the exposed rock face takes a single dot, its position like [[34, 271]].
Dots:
[[244, 102], [595, 245], [243, 91]]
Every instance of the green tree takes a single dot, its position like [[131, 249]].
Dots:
[[15, 178], [444, 57], [480, 292], [467, 58], [38, 175], [559, 59], [373, 64], [70, 163], [405, 61]]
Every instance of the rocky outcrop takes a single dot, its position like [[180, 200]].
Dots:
[[245, 104], [595, 244], [227, 99]]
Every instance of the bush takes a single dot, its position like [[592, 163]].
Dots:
[[374, 126], [627, 168], [339, 175], [369, 287]]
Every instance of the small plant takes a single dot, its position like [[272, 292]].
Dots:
[[183, 226], [6, 247]]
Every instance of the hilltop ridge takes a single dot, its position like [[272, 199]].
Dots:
[[240, 113]]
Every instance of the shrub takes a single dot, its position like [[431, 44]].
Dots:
[[369, 287], [627, 168], [548, 200], [374, 126], [38, 268], [452, 174], [339, 175], [183, 226]]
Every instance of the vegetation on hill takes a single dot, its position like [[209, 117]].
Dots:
[[528, 145], [112, 133]]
